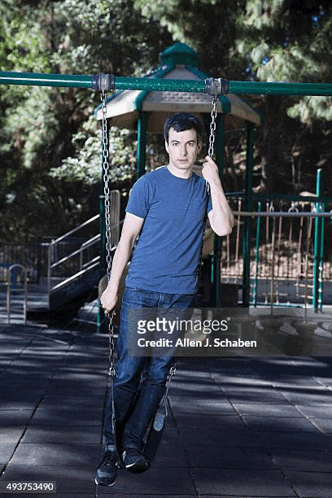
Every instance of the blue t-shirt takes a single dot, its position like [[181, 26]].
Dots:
[[167, 256]]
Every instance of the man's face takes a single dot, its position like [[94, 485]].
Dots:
[[182, 149]]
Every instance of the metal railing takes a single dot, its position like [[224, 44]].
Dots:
[[69, 257], [26, 254], [288, 264], [13, 288], [72, 260]]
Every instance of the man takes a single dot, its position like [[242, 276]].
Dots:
[[167, 209]]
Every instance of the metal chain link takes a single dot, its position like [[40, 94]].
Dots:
[[106, 175], [107, 203], [111, 361], [172, 372], [213, 125]]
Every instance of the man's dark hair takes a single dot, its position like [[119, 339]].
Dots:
[[183, 121]]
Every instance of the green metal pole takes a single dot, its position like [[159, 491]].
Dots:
[[163, 84], [269, 88], [41, 79], [317, 241], [258, 230], [141, 144], [321, 262], [248, 204]]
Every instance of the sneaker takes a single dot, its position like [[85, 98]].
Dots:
[[107, 469], [134, 460]]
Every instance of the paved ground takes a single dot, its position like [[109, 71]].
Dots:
[[238, 427]]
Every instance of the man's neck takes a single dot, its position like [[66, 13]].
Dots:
[[180, 173]]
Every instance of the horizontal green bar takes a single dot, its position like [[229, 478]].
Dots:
[[58, 80], [159, 84], [235, 87], [283, 214], [271, 88], [164, 84], [269, 197], [121, 83]]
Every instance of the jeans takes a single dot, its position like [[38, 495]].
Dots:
[[139, 383]]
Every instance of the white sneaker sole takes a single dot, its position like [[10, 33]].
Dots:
[[105, 485]]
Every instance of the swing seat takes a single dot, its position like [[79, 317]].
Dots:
[[155, 435]]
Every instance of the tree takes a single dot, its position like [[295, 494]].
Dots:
[[267, 40], [47, 131], [49, 149], [289, 40], [208, 26]]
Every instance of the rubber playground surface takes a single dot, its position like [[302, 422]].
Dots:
[[238, 426]]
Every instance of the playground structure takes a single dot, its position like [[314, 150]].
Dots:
[[61, 272], [284, 253], [288, 260], [297, 257]]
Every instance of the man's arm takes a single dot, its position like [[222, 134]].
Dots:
[[131, 228], [221, 216]]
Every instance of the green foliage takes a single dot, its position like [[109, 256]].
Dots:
[[24, 46], [86, 165], [290, 40], [49, 149], [309, 109], [286, 40], [207, 26], [105, 35], [50, 142], [33, 125]]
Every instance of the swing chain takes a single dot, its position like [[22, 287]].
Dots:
[[111, 362], [172, 372], [107, 193], [107, 203], [213, 125], [215, 87]]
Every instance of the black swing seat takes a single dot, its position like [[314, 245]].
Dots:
[[155, 434]]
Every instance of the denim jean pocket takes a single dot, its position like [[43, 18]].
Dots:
[[139, 298]]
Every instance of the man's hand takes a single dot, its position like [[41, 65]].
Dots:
[[108, 300], [221, 217], [210, 171]]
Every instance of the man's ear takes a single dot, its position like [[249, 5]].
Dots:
[[199, 145], [166, 146]]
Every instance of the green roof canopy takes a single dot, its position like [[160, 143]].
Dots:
[[177, 62]]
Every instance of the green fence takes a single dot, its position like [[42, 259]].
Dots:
[[289, 260]]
